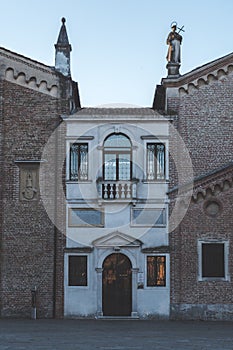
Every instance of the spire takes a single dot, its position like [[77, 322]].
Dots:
[[63, 49]]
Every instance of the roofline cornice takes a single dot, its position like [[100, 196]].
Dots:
[[199, 72], [25, 60], [208, 181]]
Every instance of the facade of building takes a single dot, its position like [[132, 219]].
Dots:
[[116, 256], [115, 212], [201, 246], [33, 97]]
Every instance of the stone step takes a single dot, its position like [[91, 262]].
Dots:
[[117, 318]]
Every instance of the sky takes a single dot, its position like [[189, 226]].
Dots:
[[118, 46]]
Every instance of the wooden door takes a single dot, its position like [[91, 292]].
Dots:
[[117, 285]]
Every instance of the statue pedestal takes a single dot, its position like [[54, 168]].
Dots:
[[173, 70]]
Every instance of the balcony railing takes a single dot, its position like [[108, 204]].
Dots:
[[117, 190]]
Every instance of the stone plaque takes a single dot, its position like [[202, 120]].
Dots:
[[148, 217], [29, 186], [85, 217]]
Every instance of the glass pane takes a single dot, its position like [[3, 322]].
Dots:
[[79, 162], [213, 260], [83, 170], [117, 140], [77, 270], [155, 161], [156, 271], [161, 277], [160, 162], [150, 161], [110, 167], [124, 167], [149, 217], [83, 217], [74, 162]]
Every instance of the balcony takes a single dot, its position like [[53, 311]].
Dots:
[[117, 190]]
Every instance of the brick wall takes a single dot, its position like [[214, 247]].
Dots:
[[205, 124], [1, 182], [187, 291], [30, 243]]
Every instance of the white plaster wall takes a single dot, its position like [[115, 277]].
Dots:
[[85, 236], [99, 133], [81, 191], [78, 300], [117, 219], [82, 301], [153, 303]]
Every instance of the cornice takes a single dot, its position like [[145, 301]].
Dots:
[[213, 182], [201, 76], [25, 60], [33, 75], [32, 82]]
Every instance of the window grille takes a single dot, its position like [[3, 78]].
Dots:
[[79, 162], [155, 161]]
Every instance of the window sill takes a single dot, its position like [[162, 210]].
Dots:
[[117, 201], [148, 225], [213, 279], [78, 182], [77, 287], [165, 181], [156, 288]]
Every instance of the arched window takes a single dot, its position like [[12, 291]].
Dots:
[[117, 158]]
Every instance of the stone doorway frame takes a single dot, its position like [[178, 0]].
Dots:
[[99, 270]]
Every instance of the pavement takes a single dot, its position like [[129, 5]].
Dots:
[[80, 334]]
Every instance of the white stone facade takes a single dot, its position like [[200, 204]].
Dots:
[[103, 221]]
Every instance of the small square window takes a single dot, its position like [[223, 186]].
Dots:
[[213, 260], [77, 270], [156, 271]]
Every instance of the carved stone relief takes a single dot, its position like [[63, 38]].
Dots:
[[29, 182]]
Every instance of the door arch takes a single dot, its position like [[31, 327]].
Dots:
[[117, 285]]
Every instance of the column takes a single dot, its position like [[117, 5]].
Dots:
[[134, 312], [99, 271]]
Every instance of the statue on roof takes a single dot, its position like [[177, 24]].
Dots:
[[174, 41]]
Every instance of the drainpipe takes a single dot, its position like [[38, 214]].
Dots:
[[55, 222], [34, 311]]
